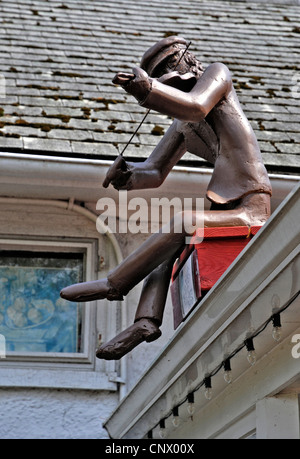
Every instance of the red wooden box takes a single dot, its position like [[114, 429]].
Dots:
[[201, 265]]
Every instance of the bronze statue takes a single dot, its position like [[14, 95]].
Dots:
[[208, 122]]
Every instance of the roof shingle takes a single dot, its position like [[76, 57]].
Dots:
[[58, 60]]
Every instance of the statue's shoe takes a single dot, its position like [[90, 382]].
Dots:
[[90, 291], [142, 330]]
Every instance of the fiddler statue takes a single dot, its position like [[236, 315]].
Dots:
[[208, 122]]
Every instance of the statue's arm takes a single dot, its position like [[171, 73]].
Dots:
[[214, 84], [152, 172]]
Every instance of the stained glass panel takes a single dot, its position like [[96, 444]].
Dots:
[[33, 317]]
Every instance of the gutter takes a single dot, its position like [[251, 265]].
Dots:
[[54, 177]]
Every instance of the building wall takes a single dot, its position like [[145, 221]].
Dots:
[[38, 400], [38, 410], [54, 414]]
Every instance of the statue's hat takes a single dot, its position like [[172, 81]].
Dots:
[[162, 50]]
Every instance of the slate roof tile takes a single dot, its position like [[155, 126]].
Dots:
[[58, 59], [47, 145]]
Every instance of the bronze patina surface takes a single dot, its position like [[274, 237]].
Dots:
[[208, 122]]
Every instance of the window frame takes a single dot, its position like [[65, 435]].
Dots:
[[89, 249]]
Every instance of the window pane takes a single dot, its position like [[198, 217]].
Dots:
[[33, 317]]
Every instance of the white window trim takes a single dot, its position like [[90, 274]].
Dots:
[[61, 370], [54, 247]]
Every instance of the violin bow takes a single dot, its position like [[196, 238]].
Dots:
[[149, 110], [118, 161]]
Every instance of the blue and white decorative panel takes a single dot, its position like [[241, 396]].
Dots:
[[33, 317]]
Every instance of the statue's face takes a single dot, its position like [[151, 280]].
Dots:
[[177, 63], [171, 64], [185, 82], [176, 71]]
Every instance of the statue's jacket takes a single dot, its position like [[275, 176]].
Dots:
[[214, 127]]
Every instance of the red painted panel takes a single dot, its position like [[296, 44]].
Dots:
[[202, 264]]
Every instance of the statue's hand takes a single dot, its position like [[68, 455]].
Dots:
[[137, 83], [118, 175], [123, 78]]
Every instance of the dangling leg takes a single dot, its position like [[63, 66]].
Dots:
[[161, 246], [148, 316]]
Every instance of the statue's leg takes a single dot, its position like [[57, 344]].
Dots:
[[154, 293], [148, 316], [159, 247], [253, 209], [164, 244]]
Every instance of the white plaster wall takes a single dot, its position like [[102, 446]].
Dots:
[[37, 413], [51, 413], [71, 414], [54, 414]]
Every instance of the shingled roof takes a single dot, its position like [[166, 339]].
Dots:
[[59, 57]]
